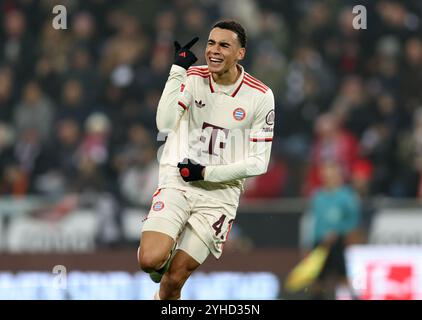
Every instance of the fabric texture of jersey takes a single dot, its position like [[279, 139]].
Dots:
[[227, 129]]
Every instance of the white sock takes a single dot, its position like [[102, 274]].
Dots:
[[343, 292], [157, 296]]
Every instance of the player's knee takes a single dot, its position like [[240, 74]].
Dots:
[[149, 262]]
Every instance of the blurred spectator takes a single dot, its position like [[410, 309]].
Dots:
[[316, 25], [17, 46], [73, 103], [165, 26], [154, 75], [385, 66], [350, 57], [350, 106], [55, 46], [138, 139], [387, 111], [34, 111], [307, 85], [7, 138], [244, 11], [411, 75], [83, 32], [66, 145], [137, 167], [63, 152], [124, 51], [378, 145], [139, 181], [14, 181], [332, 143], [89, 179], [397, 18], [269, 66], [361, 177], [94, 145], [6, 93], [48, 78], [30, 155], [83, 70], [195, 18], [410, 159]]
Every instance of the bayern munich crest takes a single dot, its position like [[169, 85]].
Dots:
[[157, 206], [239, 114]]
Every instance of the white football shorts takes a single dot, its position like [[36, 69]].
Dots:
[[200, 225]]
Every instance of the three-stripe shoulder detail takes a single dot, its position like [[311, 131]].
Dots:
[[254, 83], [198, 71]]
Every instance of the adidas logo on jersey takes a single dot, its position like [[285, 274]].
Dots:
[[199, 104]]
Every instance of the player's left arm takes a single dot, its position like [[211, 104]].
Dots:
[[176, 96], [259, 152]]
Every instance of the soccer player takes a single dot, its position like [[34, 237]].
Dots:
[[336, 211], [219, 121]]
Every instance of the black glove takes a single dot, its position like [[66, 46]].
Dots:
[[183, 56], [190, 170]]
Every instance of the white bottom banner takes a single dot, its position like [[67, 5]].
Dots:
[[60, 285]]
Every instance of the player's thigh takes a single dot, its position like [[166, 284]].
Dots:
[[165, 221], [193, 245], [154, 248]]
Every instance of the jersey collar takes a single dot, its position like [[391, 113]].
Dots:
[[230, 90]]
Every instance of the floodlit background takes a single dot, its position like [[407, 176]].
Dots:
[[78, 142]]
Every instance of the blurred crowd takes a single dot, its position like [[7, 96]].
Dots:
[[77, 106]]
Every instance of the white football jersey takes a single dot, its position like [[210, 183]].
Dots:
[[227, 129]]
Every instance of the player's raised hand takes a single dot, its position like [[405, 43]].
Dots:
[[183, 56]]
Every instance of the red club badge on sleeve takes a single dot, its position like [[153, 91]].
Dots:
[[158, 206]]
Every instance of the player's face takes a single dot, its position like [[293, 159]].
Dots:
[[223, 50]]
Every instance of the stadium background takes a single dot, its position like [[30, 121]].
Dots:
[[78, 142]]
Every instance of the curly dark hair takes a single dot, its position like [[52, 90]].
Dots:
[[234, 26]]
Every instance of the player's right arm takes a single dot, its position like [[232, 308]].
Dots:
[[176, 97]]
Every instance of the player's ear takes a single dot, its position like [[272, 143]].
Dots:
[[241, 53]]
